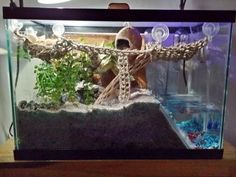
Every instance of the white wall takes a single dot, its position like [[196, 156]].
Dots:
[[5, 104], [230, 123]]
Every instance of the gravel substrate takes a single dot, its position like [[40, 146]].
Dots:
[[138, 124]]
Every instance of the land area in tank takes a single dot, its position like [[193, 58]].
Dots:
[[138, 124]]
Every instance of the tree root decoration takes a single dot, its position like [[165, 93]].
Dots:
[[110, 91]]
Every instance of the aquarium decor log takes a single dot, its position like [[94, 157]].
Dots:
[[107, 93], [62, 46], [128, 38]]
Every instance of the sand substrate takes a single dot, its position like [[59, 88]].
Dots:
[[138, 124]]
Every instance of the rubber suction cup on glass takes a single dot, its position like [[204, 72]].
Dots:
[[31, 34], [160, 33], [15, 25], [30, 31], [210, 29], [58, 29]]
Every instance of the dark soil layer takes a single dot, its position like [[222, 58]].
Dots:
[[137, 126]]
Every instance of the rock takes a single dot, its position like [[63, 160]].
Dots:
[[64, 98], [97, 90], [22, 104], [79, 86], [31, 106]]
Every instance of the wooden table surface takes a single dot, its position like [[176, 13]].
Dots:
[[117, 168]]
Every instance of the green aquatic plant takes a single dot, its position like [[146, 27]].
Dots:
[[24, 53], [21, 52], [108, 62], [56, 81]]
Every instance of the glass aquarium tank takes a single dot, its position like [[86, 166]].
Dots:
[[92, 84]]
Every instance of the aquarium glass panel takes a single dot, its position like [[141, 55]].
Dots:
[[88, 85]]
